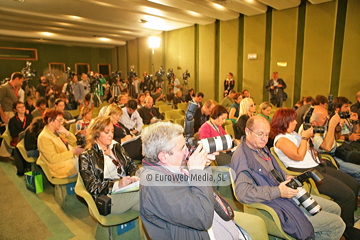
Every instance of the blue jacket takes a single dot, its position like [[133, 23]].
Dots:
[[292, 219]]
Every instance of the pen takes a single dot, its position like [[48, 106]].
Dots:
[[121, 175]]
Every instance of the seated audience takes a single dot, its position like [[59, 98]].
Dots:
[[189, 96], [202, 114], [123, 135], [265, 110], [246, 93], [131, 118], [170, 96], [213, 128], [87, 102], [30, 104], [301, 111], [228, 101], [40, 108], [247, 110], [295, 152], [59, 105], [182, 209], [141, 100], [178, 98], [255, 183], [57, 146], [105, 167], [235, 108], [157, 95], [83, 124], [31, 137], [148, 113], [19, 122]]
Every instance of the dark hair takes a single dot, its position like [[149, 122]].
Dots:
[[191, 89], [232, 91], [40, 101], [132, 104], [58, 100], [16, 75], [309, 99], [88, 97], [217, 111], [16, 103], [199, 94], [338, 102], [50, 115], [281, 121], [231, 74], [320, 99], [36, 126]]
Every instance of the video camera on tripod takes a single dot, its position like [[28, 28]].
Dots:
[[170, 75], [159, 74]]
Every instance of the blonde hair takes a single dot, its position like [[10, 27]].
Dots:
[[177, 94], [96, 126], [113, 109], [84, 111], [264, 106], [245, 106]]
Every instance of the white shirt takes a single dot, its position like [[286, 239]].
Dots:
[[294, 137], [133, 122]]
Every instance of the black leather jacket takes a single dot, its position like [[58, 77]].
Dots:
[[91, 168]]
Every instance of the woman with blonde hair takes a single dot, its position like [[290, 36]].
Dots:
[[177, 98], [122, 134], [265, 110], [247, 110], [105, 167]]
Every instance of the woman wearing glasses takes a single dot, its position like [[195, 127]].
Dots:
[[105, 166], [295, 152], [247, 110], [57, 146]]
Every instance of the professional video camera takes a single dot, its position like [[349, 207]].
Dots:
[[148, 78], [27, 72], [132, 74], [5, 80], [116, 74], [307, 123], [70, 74], [159, 74], [170, 75], [212, 144], [186, 75], [303, 197]]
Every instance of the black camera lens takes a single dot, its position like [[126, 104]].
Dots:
[[344, 115]]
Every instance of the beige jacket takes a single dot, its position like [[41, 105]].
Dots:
[[55, 154]]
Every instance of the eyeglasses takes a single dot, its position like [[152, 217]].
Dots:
[[253, 105], [260, 135]]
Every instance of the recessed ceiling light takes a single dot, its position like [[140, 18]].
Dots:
[[104, 39], [142, 21], [218, 6], [47, 33], [75, 17], [194, 13]]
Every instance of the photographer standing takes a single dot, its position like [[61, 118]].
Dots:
[[276, 88]]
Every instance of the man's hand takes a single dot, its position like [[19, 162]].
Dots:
[[198, 159], [334, 121], [354, 137], [354, 116], [287, 192]]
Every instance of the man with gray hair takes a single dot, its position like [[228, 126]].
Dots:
[[181, 209]]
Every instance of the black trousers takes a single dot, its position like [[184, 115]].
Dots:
[[341, 187]]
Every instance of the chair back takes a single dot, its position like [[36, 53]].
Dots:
[[265, 212], [109, 220], [21, 146], [53, 180], [7, 137], [164, 108], [72, 128]]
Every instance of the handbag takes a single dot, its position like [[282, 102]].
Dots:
[[34, 182], [103, 204]]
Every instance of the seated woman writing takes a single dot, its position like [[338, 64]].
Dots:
[[57, 146], [105, 166], [122, 134], [295, 152], [213, 128]]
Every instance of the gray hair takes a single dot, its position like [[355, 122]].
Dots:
[[158, 138]]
